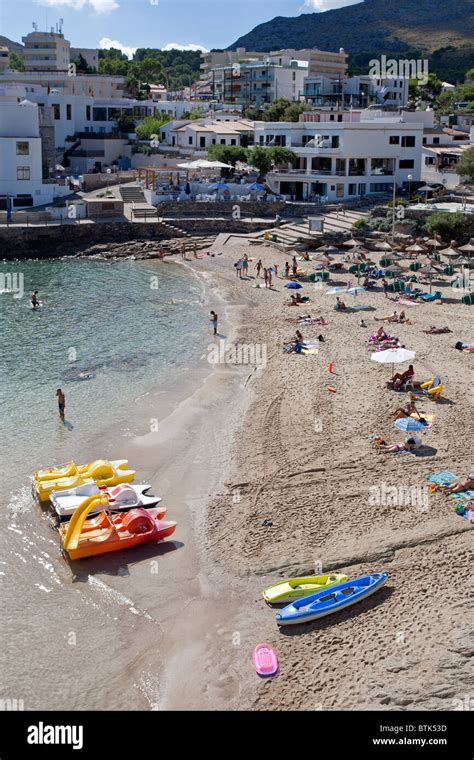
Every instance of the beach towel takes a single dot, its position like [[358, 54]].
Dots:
[[427, 417], [312, 351], [467, 495], [442, 478]]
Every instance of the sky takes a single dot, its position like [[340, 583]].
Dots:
[[128, 24]]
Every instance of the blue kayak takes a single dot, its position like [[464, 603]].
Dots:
[[324, 603]]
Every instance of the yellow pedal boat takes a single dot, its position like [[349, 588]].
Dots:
[[102, 472], [295, 588]]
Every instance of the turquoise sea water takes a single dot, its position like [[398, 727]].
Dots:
[[82, 637], [128, 323]]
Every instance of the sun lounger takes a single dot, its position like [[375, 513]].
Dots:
[[432, 296]]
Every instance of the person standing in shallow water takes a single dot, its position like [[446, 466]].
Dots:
[[61, 403], [214, 320], [35, 300]]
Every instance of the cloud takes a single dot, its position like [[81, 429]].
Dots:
[[99, 6], [191, 46], [105, 44], [327, 5]]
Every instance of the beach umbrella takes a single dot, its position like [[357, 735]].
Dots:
[[393, 356], [409, 425], [293, 285], [433, 243], [336, 291], [452, 251], [393, 269], [217, 165], [415, 248], [327, 249], [255, 186], [351, 243], [469, 247], [218, 186], [431, 271], [383, 246]]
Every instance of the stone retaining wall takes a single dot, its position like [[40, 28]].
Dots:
[[71, 239]]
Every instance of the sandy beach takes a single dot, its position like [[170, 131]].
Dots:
[[301, 459]]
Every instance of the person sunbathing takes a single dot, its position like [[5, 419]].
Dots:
[[459, 485], [409, 444], [390, 318], [403, 319], [437, 330], [406, 411]]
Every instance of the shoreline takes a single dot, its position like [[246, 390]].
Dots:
[[302, 459]]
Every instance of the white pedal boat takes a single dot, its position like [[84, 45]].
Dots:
[[122, 498]]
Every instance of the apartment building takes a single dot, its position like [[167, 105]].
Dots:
[[4, 57], [260, 82], [46, 51], [357, 92], [21, 176], [90, 55], [443, 148], [343, 160]]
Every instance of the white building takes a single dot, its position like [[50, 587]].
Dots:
[[46, 51], [358, 91], [4, 57], [90, 55], [21, 176], [201, 134], [442, 149], [344, 160], [258, 82]]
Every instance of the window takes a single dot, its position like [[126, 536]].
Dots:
[[190, 140], [424, 141], [352, 190], [430, 160], [394, 140], [233, 141], [57, 111], [223, 142], [406, 164], [99, 114], [380, 187], [340, 191], [435, 140], [23, 172], [339, 117], [335, 141], [88, 113], [23, 149], [331, 118], [408, 141], [68, 111]]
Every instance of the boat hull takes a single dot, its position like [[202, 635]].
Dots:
[[325, 603], [295, 588]]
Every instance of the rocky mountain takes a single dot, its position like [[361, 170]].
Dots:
[[371, 25]]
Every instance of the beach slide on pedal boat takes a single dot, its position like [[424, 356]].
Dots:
[[102, 472], [294, 588], [333, 600], [121, 498], [120, 531]]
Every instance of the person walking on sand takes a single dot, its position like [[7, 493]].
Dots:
[[245, 265], [258, 267], [214, 320], [275, 269], [238, 268], [385, 287], [287, 270], [294, 265], [269, 277], [265, 276], [61, 403]]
